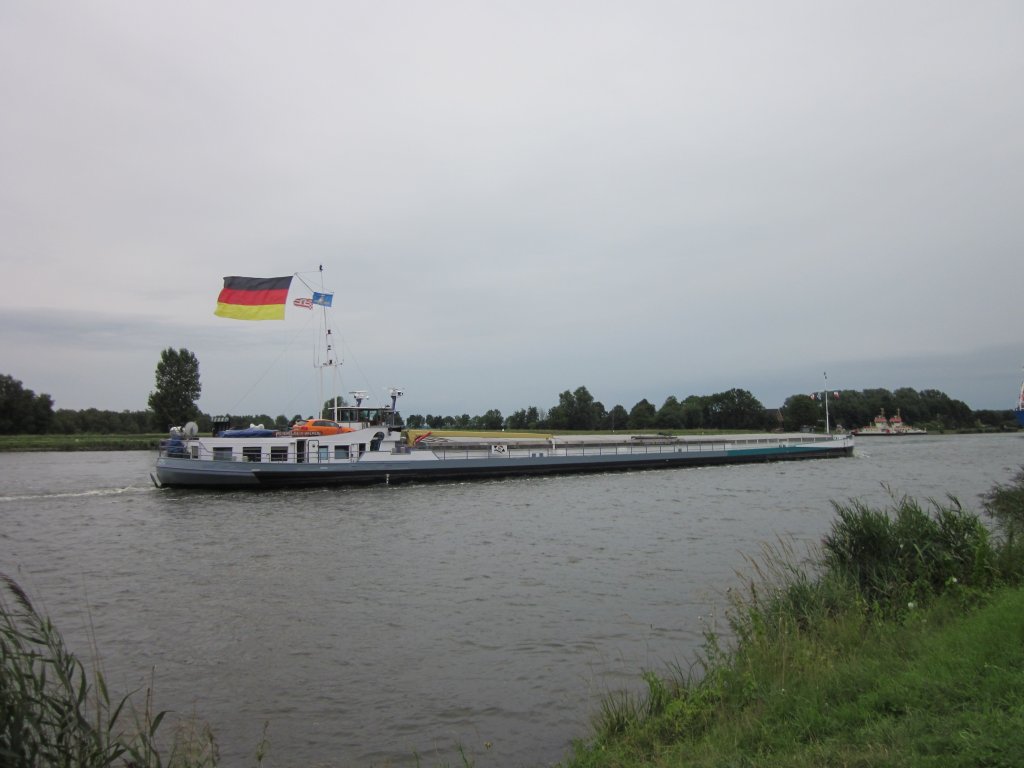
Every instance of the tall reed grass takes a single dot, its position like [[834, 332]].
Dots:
[[1004, 503], [56, 712], [907, 554]]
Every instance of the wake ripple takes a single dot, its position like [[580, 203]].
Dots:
[[91, 493]]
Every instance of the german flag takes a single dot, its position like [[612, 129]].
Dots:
[[253, 298]]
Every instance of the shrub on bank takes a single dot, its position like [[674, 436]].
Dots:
[[1005, 505], [906, 555]]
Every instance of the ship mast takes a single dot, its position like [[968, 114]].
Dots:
[[330, 359], [324, 352]]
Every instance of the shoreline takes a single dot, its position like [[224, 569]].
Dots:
[[71, 443]]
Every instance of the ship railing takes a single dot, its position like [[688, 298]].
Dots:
[[251, 454], [696, 445]]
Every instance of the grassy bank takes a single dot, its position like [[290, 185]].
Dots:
[[80, 442], [941, 687], [899, 642]]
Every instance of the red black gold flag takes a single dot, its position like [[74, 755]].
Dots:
[[253, 298]]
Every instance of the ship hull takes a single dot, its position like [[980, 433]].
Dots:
[[459, 464]]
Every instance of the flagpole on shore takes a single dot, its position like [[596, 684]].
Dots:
[[825, 395]]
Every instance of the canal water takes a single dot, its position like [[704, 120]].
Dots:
[[385, 625]]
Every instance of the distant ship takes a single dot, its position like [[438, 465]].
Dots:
[[890, 427], [1019, 410]]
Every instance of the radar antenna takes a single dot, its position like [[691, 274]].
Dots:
[[395, 392]]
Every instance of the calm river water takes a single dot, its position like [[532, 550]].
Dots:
[[371, 625]]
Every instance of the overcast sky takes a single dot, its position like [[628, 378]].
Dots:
[[512, 199]]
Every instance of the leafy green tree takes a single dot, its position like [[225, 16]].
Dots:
[[584, 413], [670, 415], [492, 420], [909, 405], [642, 415], [946, 412], [517, 419], [525, 418], [559, 415], [13, 401], [616, 418], [575, 410], [536, 418], [65, 422], [800, 411], [852, 409], [694, 412], [21, 410], [736, 409], [42, 413], [177, 388], [877, 401]]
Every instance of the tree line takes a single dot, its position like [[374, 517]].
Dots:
[[850, 409], [578, 410], [173, 403], [736, 409]]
